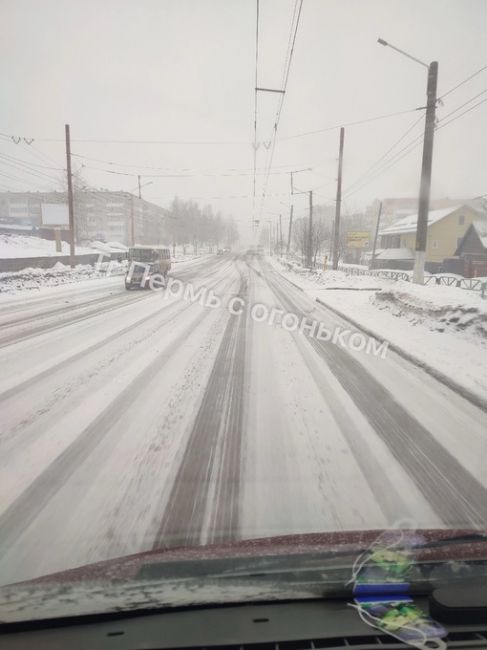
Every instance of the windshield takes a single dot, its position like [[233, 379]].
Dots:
[[243, 295], [144, 254]]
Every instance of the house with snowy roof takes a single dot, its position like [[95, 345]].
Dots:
[[472, 250], [446, 229]]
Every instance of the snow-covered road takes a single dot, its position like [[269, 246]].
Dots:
[[134, 420]]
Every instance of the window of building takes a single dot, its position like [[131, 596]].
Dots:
[[434, 243], [459, 241], [461, 219]]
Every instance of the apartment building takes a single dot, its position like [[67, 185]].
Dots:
[[100, 215]]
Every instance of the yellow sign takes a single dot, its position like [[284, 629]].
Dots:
[[358, 238]]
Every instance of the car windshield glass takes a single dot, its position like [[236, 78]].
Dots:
[[144, 254], [243, 299]]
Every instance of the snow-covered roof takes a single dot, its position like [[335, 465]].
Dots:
[[395, 254], [481, 228], [408, 224], [110, 247], [117, 245], [150, 247]]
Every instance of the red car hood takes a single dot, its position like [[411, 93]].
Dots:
[[464, 544]]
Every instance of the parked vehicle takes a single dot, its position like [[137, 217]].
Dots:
[[146, 262]]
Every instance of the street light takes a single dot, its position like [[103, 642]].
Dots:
[[425, 185], [383, 42]]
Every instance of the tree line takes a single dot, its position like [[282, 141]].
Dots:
[[191, 225], [321, 238]]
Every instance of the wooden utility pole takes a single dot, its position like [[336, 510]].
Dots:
[[290, 230], [132, 221], [336, 230], [138, 182], [372, 259], [72, 260], [425, 184], [310, 231], [280, 235]]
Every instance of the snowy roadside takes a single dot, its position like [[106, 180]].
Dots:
[[442, 329], [17, 246], [32, 280]]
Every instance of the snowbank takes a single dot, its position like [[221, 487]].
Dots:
[[330, 279], [15, 246], [35, 278], [439, 308]]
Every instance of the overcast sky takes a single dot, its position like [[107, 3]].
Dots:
[[183, 70]]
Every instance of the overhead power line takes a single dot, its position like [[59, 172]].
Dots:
[[335, 127], [14, 178], [374, 165], [443, 124], [184, 169], [411, 146], [26, 169], [221, 142], [255, 103], [463, 82], [294, 31], [27, 163], [193, 175]]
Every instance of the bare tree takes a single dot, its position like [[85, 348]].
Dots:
[[320, 235]]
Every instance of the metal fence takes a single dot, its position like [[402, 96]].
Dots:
[[471, 284]]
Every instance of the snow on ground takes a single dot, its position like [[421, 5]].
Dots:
[[302, 471], [443, 328], [97, 429], [12, 282], [14, 246], [439, 308]]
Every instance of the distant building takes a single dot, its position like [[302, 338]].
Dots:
[[102, 215], [394, 209], [446, 229], [470, 258]]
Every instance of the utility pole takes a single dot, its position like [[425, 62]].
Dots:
[[72, 260], [425, 186], [290, 230], [132, 221], [138, 182], [310, 231], [372, 259], [336, 230], [289, 234], [280, 235]]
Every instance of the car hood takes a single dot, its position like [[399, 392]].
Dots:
[[272, 568]]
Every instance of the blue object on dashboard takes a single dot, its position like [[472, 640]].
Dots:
[[383, 588]]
